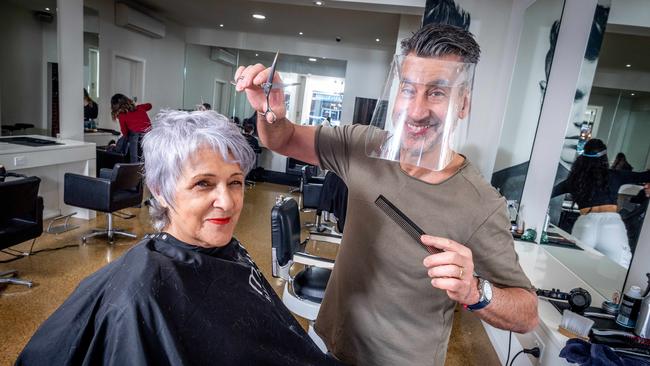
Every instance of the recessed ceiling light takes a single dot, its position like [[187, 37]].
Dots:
[[259, 16], [300, 33], [628, 65], [47, 9], [312, 59], [376, 39], [257, 54], [318, 3], [220, 25], [632, 94]]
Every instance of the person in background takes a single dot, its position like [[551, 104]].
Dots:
[[594, 188], [90, 111], [620, 163], [206, 106], [134, 122]]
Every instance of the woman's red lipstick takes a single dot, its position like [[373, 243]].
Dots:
[[220, 221]]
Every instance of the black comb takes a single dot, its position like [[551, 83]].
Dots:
[[403, 221]]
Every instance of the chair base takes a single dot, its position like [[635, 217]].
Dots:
[[58, 229], [10, 278], [109, 232]]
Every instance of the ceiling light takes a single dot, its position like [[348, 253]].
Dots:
[[318, 3], [632, 94], [47, 9], [376, 39], [259, 16], [300, 33], [220, 25], [312, 59], [257, 54], [628, 65]]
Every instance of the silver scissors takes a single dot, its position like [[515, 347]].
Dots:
[[267, 87]]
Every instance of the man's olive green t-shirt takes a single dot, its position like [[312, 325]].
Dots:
[[379, 306]]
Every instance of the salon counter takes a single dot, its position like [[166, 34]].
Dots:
[[50, 163], [545, 271]]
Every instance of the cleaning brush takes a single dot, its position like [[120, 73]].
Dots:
[[575, 325]]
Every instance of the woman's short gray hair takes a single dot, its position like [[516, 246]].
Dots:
[[174, 137]]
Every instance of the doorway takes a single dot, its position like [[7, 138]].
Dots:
[[128, 77]]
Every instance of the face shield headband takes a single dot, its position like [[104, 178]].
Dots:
[[421, 118]]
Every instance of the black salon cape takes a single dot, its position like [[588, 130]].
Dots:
[[168, 303]]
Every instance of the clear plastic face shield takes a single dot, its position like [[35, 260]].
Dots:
[[422, 116]]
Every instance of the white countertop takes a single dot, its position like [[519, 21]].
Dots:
[[9, 148], [546, 271]]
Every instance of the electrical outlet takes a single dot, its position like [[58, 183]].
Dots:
[[537, 342]]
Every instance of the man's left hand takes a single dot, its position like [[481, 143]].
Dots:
[[452, 270]]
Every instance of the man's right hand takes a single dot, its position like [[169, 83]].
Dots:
[[249, 79]]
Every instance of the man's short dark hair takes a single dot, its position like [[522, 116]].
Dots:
[[435, 40]]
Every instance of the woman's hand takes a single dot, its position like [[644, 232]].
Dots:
[[250, 79], [452, 269]]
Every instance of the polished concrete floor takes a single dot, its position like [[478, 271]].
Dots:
[[56, 273]]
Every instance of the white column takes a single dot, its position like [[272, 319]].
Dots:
[[556, 111], [70, 20]]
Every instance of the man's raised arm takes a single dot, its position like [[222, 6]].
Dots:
[[281, 136]]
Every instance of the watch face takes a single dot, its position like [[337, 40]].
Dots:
[[487, 291]]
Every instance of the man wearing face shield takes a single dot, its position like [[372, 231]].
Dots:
[[388, 301]]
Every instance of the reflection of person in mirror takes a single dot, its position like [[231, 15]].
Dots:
[[134, 122], [399, 308], [594, 188], [90, 111], [621, 163]]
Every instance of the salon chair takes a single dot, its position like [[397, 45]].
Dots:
[[106, 159], [294, 168], [21, 219], [115, 189], [303, 292]]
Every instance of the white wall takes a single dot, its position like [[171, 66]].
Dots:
[[164, 61], [21, 66], [200, 75], [366, 68]]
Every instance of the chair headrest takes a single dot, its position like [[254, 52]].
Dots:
[[285, 229]]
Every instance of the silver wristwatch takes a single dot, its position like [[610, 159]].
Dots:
[[485, 295]]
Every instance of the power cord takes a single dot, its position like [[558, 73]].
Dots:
[[509, 345], [17, 257], [535, 352]]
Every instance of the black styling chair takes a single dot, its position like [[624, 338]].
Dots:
[[114, 190], [311, 187], [21, 218], [304, 292], [294, 168]]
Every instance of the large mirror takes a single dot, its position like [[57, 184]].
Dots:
[[314, 91], [599, 203], [525, 98], [28, 67]]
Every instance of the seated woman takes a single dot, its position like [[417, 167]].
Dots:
[[594, 187], [189, 294]]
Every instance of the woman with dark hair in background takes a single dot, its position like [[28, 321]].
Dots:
[[594, 187], [620, 163], [134, 122], [90, 111]]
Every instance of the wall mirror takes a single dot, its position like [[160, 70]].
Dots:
[[612, 104], [313, 96], [525, 98], [28, 67]]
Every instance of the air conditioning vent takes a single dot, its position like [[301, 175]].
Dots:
[[138, 21], [223, 56]]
